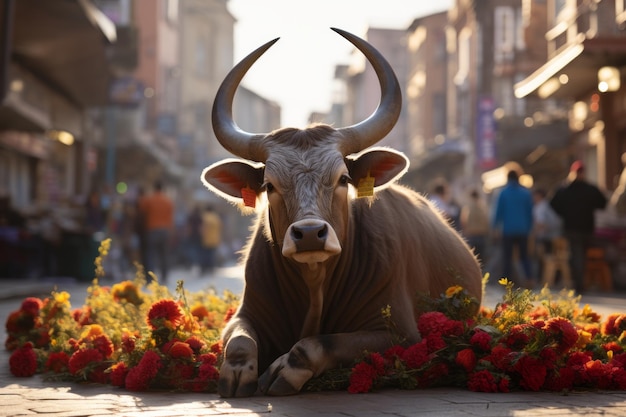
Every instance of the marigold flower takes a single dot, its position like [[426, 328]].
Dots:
[[23, 361], [482, 340], [118, 374], [533, 372], [104, 345], [454, 290], [199, 311], [31, 305], [140, 377], [416, 355], [432, 322], [180, 350], [57, 362], [466, 358], [83, 358], [362, 378], [615, 324], [195, 343], [482, 381], [164, 313], [208, 358], [564, 331]]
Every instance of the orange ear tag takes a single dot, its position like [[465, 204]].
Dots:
[[249, 197], [365, 187]]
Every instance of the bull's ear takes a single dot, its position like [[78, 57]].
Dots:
[[383, 164], [229, 177]]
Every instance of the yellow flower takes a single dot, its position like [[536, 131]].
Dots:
[[503, 281], [454, 290], [62, 297], [386, 312], [584, 338]]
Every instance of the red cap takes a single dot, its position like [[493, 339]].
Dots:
[[577, 166]]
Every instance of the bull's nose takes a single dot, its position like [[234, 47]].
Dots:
[[309, 237]]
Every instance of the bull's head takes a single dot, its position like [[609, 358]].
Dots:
[[306, 174]]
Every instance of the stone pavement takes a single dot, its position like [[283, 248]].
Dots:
[[36, 397]]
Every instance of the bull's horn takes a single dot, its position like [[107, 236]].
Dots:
[[231, 137], [366, 133]]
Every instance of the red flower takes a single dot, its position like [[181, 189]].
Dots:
[[378, 362], [23, 361], [615, 324], [613, 347], [208, 372], [518, 336], [57, 362], [180, 350], [533, 372], [229, 314], [362, 378], [139, 377], [466, 358], [500, 357], [599, 374], [195, 343], [164, 313], [128, 342], [549, 357], [394, 352], [31, 305], [432, 322], [564, 332], [559, 380], [416, 355], [19, 321], [435, 342], [208, 358], [104, 345], [118, 374], [481, 339], [82, 316], [482, 381], [83, 358]]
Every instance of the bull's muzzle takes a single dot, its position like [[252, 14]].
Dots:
[[310, 240]]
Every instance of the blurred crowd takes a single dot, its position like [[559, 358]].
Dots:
[[147, 229], [573, 236]]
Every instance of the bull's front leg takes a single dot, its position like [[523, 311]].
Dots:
[[313, 355], [239, 371]]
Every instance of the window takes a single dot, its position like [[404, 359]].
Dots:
[[504, 34]]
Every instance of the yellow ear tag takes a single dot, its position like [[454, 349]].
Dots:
[[249, 197], [365, 188]]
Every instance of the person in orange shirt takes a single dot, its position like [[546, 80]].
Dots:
[[157, 211]]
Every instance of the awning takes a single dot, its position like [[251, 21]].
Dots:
[[63, 42], [572, 73]]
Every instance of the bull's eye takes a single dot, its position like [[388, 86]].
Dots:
[[269, 187], [344, 180]]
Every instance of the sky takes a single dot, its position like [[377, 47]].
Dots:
[[298, 71]]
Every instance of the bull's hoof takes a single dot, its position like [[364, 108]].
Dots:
[[228, 389]]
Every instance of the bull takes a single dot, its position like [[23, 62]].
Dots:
[[322, 262]]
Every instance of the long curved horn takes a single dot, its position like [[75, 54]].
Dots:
[[231, 137], [366, 133]]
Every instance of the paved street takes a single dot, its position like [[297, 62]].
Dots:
[[34, 396]]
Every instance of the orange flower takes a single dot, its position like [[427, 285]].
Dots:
[[180, 350]]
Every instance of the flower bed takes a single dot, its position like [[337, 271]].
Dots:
[[141, 337]]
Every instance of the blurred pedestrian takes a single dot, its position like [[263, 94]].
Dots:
[[576, 203], [474, 221], [211, 238], [618, 198], [157, 210], [512, 223], [441, 198], [546, 227], [193, 238]]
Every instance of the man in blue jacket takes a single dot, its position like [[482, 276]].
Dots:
[[513, 221], [576, 204]]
